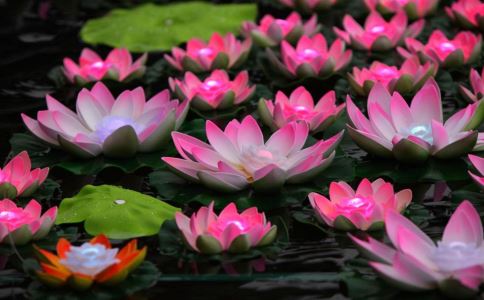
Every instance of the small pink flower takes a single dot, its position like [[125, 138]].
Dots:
[[477, 84], [272, 31], [16, 178], [300, 107], [414, 9], [308, 6], [117, 66], [478, 163], [20, 226], [378, 34], [219, 53], [230, 231], [467, 13], [464, 48], [417, 263], [310, 58], [217, 91], [409, 77]]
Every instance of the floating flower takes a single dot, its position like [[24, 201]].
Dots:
[[219, 53], [216, 92], [93, 262], [478, 163], [410, 77], [17, 180], [412, 134], [118, 66], [238, 157], [378, 34], [310, 58], [417, 263], [300, 107], [467, 13], [21, 225], [414, 9], [308, 6], [207, 233], [272, 31], [116, 128], [364, 209], [465, 48], [477, 84]]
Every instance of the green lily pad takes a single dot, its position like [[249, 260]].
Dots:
[[160, 27], [116, 212]]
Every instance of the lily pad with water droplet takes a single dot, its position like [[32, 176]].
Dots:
[[116, 212], [160, 27]]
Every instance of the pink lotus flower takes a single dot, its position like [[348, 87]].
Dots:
[[378, 34], [20, 226], [238, 156], [454, 265], [467, 13], [410, 77], [477, 84], [363, 209], [478, 163], [118, 66], [412, 134], [414, 9], [308, 6], [207, 233], [310, 58], [219, 53], [465, 48], [17, 180], [216, 92], [300, 107], [116, 128], [272, 31]]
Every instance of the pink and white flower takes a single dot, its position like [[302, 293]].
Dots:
[[21, 225], [413, 133], [478, 163], [309, 6], [477, 84], [103, 125], [271, 31], [310, 58], [218, 53], [467, 13], [464, 48], [415, 9], [117, 66], [454, 265], [411, 76], [238, 157], [18, 180], [363, 209], [217, 91], [209, 233], [378, 34], [300, 107]]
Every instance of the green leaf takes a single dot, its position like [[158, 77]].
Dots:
[[160, 27], [116, 212]]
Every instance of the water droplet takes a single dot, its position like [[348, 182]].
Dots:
[[119, 202]]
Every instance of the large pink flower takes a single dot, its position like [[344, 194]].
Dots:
[[477, 84], [464, 48], [308, 6], [415, 9], [467, 13], [116, 128], [310, 58], [410, 77], [272, 31], [300, 107], [238, 157], [117, 66], [17, 180], [20, 226], [412, 134], [478, 163], [219, 53], [217, 91], [363, 209], [230, 231], [416, 263], [378, 34]]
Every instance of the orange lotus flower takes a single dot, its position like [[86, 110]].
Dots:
[[93, 262]]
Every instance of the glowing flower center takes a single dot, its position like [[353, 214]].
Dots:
[[98, 65], [378, 29], [89, 259], [15, 218], [211, 85], [387, 72], [206, 52], [110, 124], [457, 255], [300, 111], [358, 203], [423, 132], [308, 54], [447, 47], [254, 158], [218, 227]]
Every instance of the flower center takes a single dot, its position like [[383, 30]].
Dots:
[[423, 132], [378, 29], [308, 54], [15, 218], [253, 158], [89, 259], [211, 85], [110, 124], [300, 111], [457, 255], [206, 52], [358, 203], [447, 47]]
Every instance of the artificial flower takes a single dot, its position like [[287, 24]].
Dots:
[[467, 13], [477, 84], [414, 9]]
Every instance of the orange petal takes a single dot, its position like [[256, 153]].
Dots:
[[50, 280], [47, 257], [133, 261], [128, 249], [61, 273], [63, 246], [101, 239]]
